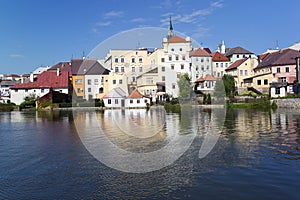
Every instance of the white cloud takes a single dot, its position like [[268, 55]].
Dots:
[[16, 56], [200, 32], [114, 14], [103, 23], [191, 17], [138, 20]]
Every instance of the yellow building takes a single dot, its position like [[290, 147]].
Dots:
[[242, 69]]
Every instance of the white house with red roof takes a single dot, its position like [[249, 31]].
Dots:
[[205, 84], [41, 85], [136, 100]]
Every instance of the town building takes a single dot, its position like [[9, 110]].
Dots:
[[201, 63], [219, 64]]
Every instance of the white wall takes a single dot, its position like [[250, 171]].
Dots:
[[17, 95], [94, 86], [114, 102], [133, 103]]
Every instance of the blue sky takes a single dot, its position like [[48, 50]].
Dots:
[[44, 32]]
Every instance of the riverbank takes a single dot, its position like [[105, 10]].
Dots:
[[287, 103]]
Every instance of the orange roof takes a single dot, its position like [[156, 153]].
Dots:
[[135, 95], [176, 39], [218, 57], [199, 52], [209, 77], [201, 79]]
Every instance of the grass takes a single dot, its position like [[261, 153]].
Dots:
[[266, 104]]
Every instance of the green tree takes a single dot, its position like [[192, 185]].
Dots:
[[226, 84], [184, 84]]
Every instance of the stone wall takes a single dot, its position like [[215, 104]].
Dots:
[[287, 103]]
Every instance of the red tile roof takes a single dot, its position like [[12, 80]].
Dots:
[[218, 57], [62, 66], [13, 75], [209, 77], [135, 95], [176, 39], [236, 64], [278, 58], [201, 79], [199, 53], [46, 80]]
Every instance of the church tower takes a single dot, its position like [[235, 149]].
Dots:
[[170, 32]]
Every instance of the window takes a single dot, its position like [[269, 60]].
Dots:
[[217, 65], [122, 69], [265, 81], [26, 90], [120, 81], [133, 60], [180, 49], [140, 60], [172, 67], [109, 101], [221, 64], [170, 58], [78, 90], [172, 49], [222, 73], [287, 69], [207, 59], [226, 65], [42, 90], [241, 72], [122, 60], [146, 101], [78, 81], [278, 69], [183, 57], [162, 59], [138, 101], [282, 79], [116, 60], [114, 81], [163, 69], [101, 90], [131, 101], [277, 90], [89, 90], [202, 60], [133, 79], [163, 78], [246, 72], [89, 82], [182, 66], [177, 57], [258, 82], [96, 81], [116, 101], [207, 67], [178, 75], [133, 69], [237, 56], [116, 69], [173, 86], [141, 69]]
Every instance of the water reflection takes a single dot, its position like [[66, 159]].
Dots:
[[256, 155]]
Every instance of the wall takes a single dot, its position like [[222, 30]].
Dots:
[[287, 103]]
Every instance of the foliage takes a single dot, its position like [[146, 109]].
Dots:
[[44, 104], [266, 104], [6, 107], [31, 97], [172, 107], [184, 84], [226, 84]]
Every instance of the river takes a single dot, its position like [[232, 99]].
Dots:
[[253, 154]]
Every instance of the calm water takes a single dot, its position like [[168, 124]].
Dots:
[[257, 156]]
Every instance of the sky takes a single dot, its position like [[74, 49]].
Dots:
[[37, 33]]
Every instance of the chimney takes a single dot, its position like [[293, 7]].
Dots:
[[31, 77], [57, 72]]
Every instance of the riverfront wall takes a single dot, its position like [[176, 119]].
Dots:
[[287, 103]]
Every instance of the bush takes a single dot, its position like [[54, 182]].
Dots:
[[172, 107], [65, 105]]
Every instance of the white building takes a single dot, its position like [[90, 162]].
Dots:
[[115, 98]]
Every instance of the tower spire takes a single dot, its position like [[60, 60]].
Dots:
[[170, 32]]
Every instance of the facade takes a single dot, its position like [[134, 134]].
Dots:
[[176, 61], [4, 89], [219, 64], [136, 100], [57, 81], [240, 70], [205, 84], [201, 63], [115, 98], [238, 53]]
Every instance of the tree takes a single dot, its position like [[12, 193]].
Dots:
[[227, 85], [184, 84]]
